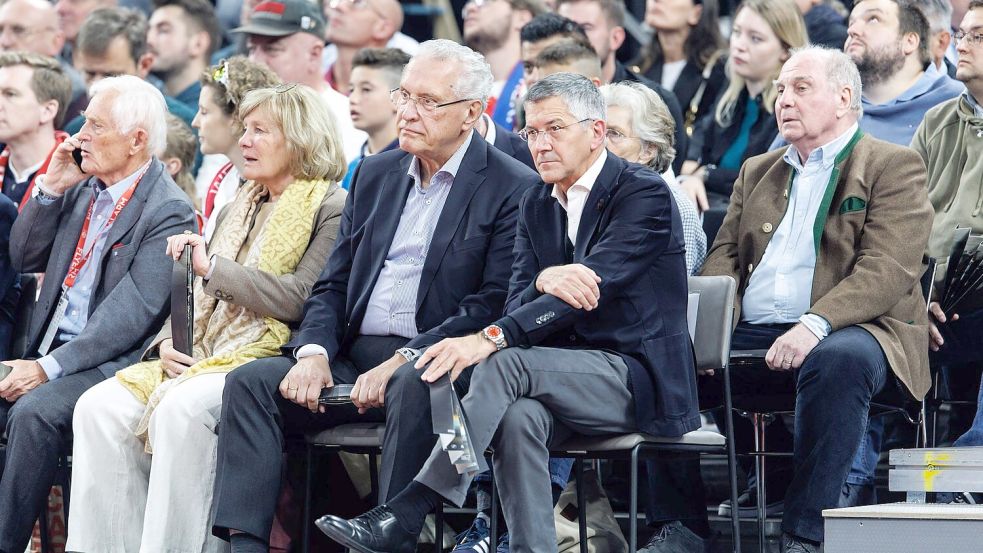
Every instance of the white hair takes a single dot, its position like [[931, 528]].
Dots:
[[840, 71], [582, 97], [475, 79], [137, 104]]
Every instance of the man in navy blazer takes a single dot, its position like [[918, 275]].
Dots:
[[423, 253], [594, 339]]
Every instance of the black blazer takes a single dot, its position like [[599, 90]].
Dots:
[[9, 278], [466, 272], [513, 146], [631, 235]]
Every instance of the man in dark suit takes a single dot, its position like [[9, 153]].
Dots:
[[423, 253], [594, 340], [98, 233]]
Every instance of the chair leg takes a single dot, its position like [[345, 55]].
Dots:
[[374, 478], [438, 528], [66, 486], [493, 537], [305, 535], [735, 518], [759, 473], [633, 502], [578, 472], [43, 527]]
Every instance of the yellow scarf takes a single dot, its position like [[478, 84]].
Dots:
[[226, 335]]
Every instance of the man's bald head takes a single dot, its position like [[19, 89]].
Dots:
[[73, 13], [31, 26], [363, 24]]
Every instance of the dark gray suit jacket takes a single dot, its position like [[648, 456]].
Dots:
[[128, 303]]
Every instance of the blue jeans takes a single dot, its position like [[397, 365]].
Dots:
[[847, 365]]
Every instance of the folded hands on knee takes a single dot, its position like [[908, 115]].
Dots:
[[26, 376]]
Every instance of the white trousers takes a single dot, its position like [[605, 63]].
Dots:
[[124, 500]]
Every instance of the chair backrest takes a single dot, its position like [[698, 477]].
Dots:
[[714, 320], [23, 314]]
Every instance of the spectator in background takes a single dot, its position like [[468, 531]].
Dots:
[[182, 36], [742, 124], [825, 22], [492, 29], [939, 15], [288, 36], [72, 14], [640, 131], [178, 156], [32, 26], [34, 93], [144, 448], [113, 42], [375, 73], [604, 21], [568, 56], [889, 42], [357, 24], [97, 307], [686, 54], [219, 128]]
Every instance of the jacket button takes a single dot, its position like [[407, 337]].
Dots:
[[766, 227], [573, 337]]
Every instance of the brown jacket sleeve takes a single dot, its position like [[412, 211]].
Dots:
[[281, 297], [723, 257]]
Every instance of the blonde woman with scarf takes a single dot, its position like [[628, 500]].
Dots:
[[145, 441]]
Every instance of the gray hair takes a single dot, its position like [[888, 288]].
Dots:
[[137, 105], [840, 71], [937, 12], [583, 99], [475, 79], [650, 118]]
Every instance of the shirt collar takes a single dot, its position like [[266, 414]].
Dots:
[[116, 191], [492, 132], [977, 108], [585, 181], [826, 153], [451, 166]]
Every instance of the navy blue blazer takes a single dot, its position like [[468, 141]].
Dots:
[[9, 278], [513, 146], [466, 272], [631, 235]]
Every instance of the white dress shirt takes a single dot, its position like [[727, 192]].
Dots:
[[572, 201]]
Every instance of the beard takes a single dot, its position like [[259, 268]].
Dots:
[[486, 40], [878, 65]]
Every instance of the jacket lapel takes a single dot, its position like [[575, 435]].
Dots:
[[597, 202], [384, 221], [832, 186], [469, 177], [134, 209]]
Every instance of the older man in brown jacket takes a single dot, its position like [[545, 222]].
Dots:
[[825, 239]]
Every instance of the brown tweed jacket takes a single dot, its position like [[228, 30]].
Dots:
[[870, 236]]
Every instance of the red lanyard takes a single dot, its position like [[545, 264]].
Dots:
[[5, 158], [213, 188], [81, 257]]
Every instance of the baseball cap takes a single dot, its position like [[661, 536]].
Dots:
[[278, 18]]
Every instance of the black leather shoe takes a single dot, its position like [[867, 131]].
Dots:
[[376, 531]]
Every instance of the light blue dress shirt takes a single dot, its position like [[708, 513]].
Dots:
[[77, 311], [780, 288]]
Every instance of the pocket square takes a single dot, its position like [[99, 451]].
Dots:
[[852, 204], [118, 245]]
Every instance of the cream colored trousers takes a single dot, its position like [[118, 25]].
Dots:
[[125, 500]]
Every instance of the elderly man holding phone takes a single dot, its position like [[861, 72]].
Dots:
[[97, 227]]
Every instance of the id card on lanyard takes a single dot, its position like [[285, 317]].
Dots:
[[79, 260]]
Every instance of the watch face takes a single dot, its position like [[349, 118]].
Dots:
[[493, 331]]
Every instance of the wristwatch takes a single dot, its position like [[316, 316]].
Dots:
[[495, 335], [409, 354]]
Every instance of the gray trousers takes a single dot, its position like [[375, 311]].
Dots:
[[520, 401]]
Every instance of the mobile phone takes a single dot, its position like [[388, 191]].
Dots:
[[5, 370], [338, 394], [77, 156]]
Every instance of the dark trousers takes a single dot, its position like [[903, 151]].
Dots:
[[409, 434], [833, 389], [254, 425], [38, 427]]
